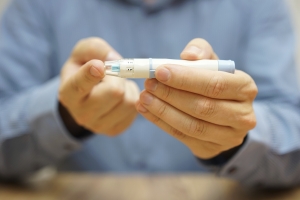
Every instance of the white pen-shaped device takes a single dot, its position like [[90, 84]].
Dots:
[[145, 68]]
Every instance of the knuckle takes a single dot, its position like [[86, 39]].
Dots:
[[199, 41], [252, 91], [237, 142], [93, 40], [93, 62], [98, 40], [232, 141], [89, 79], [210, 150], [202, 43], [162, 110], [252, 122], [167, 92], [225, 148], [217, 149], [206, 108], [131, 105], [62, 97], [177, 134], [92, 50], [155, 120], [76, 86], [248, 121], [183, 82], [197, 129], [216, 86], [89, 40], [248, 89], [93, 44], [81, 42], [116, 92]]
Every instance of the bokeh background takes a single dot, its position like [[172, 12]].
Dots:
[[295, 12]]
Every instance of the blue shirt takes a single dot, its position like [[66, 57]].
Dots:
[[37, 36]]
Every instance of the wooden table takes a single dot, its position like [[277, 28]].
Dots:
[[70, 186]]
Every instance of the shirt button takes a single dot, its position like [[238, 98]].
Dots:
[[232, 170]]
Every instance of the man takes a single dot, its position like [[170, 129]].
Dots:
[[58, 105]]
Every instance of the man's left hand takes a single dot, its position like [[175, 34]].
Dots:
[[209, 111]]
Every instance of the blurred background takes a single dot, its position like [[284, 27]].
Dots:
[[295, 12]]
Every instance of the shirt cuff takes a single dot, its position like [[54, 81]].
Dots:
[[244, 164], [44, 119]]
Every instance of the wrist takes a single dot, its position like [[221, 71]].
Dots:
[[73, 128], [224, 157]]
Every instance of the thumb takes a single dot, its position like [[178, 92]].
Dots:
[[198, 49], [93, 48]]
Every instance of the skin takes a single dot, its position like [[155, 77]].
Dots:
[[104, 105], [210, 112]]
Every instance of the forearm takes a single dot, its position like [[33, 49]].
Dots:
[[73, 128], [31, 132], [271, 154]]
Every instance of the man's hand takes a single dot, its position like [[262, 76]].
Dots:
[[208, 111], [101, 105]]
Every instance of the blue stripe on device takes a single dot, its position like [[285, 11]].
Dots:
[[115, 68]]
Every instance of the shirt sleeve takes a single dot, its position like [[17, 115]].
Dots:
[[270, 156], [32, 134]]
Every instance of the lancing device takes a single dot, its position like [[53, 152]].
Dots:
[[145, 68]]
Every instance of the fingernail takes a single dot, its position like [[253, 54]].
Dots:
[[146, 98], [95, 72], [113, 56], [141, 108], [194, 50], [163, 74], [151, 85]]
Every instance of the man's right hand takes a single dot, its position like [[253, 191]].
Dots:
[[104, 105]]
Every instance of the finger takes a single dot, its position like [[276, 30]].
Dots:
[[198, 49], [119, 113], [187, 124], [124, 113], [133, 91], [121, 127], [101, 100], [215, 111], [213, 84], [115, 127], [201, 149], [82, 82], [93, 48]]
